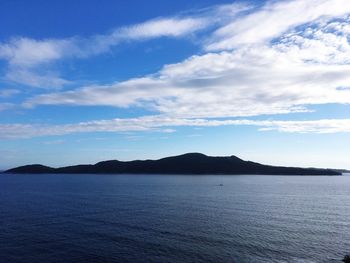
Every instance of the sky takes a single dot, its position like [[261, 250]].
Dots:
[[86, 81]]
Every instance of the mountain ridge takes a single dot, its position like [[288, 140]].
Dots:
[[189, 163]]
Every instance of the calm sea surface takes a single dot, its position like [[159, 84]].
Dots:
[[162, 218]]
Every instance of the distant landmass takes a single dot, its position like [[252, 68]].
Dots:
[[190, 163], [342, 170]]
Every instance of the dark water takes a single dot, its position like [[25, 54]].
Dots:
[[150, 218]]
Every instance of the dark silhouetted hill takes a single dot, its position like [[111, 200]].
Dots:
[[190, 163], [36, 168]]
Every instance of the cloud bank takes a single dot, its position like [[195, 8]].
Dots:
[[276, 58]]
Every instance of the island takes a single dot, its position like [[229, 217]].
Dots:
[[190, 163]]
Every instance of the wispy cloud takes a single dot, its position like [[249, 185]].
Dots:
[[314, 126], [167, 124], [25, 52], [36, 78], [173, 27], [25, 56]]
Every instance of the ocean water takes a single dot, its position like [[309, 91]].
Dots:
[[166, 218]]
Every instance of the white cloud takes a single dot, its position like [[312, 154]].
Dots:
[[24, 57], [166, 124], [320, 43], [25, 52], [314, 126], [171, 27], [243, 83], [274, 19], [48, 80]]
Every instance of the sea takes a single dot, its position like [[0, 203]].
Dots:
[[174, 218]]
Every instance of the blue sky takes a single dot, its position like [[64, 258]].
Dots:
[[86, 81]]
